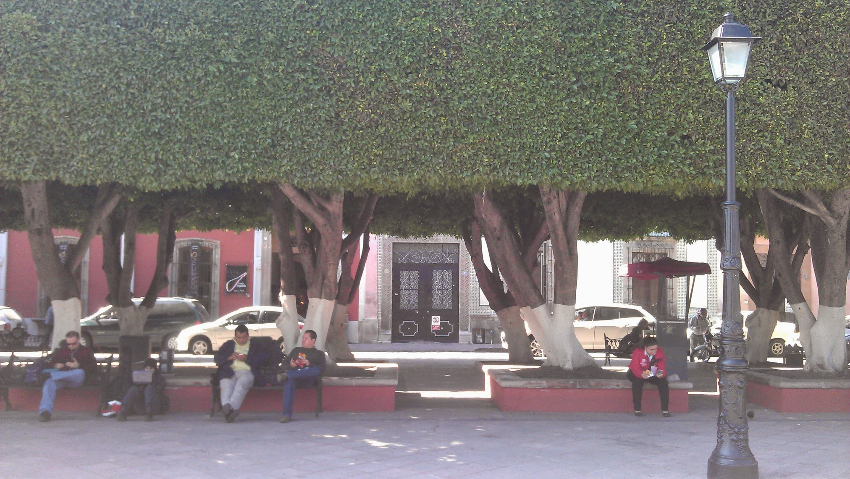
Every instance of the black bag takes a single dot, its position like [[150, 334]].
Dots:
[[34, 374], [267, 373]]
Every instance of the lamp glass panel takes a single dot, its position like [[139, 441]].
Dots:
[[714, 59], [735, 56]]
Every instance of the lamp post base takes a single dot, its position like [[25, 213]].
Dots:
[[723, 468]]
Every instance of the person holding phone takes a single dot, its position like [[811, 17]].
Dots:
[[235, 360], [648, 365], [306, 364], [71, 363]]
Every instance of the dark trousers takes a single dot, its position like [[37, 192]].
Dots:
[[637, 389], [133, 399]]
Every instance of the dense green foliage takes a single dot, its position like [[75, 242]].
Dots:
[[404, 95]]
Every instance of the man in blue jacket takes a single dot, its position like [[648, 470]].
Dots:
[[238, 363]]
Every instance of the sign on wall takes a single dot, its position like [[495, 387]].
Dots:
[[236, 279]]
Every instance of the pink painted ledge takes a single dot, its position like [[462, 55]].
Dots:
[[798, 395], [513, 393]]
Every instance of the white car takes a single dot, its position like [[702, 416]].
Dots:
[[784, 333], [208, 337], [614, 320]]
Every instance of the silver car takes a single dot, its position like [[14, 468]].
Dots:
[[208, 337], [593, 323]]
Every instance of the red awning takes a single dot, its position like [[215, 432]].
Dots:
[[668, 267]]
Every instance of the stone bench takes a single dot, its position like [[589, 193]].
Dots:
[[511, 392], [194, 394], [798, 395]]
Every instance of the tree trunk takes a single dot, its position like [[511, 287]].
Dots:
[[66, 317], [760, 326], [823, 343], [319, 258], [57, 279], [338, 350], [287, 322], [828, 351], [555, 324], [502, 302], [552, 325], [131, 320], [519, 347]]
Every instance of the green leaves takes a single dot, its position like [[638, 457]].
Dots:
[[401, 96]]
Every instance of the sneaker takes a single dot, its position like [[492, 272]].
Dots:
[[44, 416], [226, 410], [638, 413], [665, 413], [285, 419], [281, 377]]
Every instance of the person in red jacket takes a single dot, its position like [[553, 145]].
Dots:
[[648, 365]]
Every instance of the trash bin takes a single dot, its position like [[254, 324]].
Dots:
[[673, 339], [478, 335], [166, 361]]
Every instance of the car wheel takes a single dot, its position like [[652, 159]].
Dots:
[[777, 347], [200, 345], [703, 354], [85, 340], [170, 342], [536, 348]]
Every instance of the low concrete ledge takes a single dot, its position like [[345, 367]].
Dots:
[[513, 393], [194, 394], [789, 395]]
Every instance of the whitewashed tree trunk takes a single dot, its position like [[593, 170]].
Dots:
[[513, 326], [337, 342], [318, 319], [287, 323], [66, 317], [805, 320], [760, 326], [558, 337], [828, 352]]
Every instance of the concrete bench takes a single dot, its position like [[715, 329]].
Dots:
[[511, 392], [194, 394]]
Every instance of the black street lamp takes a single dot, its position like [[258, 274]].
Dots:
[[728, 50]]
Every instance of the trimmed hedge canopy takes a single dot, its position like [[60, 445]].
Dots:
[[406, 95]]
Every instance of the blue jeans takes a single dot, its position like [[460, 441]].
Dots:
[[295, 378], [59, 380]]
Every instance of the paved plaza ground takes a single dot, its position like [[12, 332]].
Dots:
[[443, 426]]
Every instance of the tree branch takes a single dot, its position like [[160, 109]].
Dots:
[[363, 220], [823, 215], [108, 197]]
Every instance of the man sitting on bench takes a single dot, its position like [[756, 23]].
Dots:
[[305, 366], [236, 360], [71, 362]]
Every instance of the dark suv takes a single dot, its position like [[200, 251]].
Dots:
[[167, 318]]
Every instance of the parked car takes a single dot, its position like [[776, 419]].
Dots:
[[207, 338], [786, 332], [613, 320], [168, 317]]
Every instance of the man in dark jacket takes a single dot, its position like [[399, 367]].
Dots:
[[147, 397], [71, 363], [238, 364], [305, 366]]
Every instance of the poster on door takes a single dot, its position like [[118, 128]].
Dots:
[[435, 323]]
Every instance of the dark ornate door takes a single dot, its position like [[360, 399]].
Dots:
[[425, 292]]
